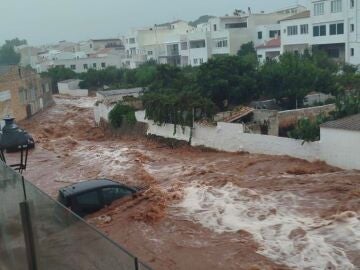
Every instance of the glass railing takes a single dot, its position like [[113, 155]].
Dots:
[[36, 232]]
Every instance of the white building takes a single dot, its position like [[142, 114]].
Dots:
[[71, 87], [295, 33], [180, 44], [150, 43], [107, 100], [269, 50], [340, 142], [81, 62], [330, 25], [335, 28]]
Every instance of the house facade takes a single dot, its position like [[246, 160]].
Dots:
[[23, 92], [332, 26]]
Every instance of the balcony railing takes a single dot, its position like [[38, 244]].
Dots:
[[38, 233]]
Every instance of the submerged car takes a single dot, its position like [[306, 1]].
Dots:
[[90, 196]]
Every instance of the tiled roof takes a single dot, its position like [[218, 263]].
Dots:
[[235, 115], [272, 43], [301, 15], [347, 123]]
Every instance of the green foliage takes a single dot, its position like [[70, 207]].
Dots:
[[308, 130], [8, 56], [121, 112], [348, 103], [291, 78], [227, 80], [57, 74]]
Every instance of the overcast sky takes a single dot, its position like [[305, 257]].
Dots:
[[49, 21]]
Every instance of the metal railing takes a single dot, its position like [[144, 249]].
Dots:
[[38, 233]]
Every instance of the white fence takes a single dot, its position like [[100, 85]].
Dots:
[[227, 137], [231, 138]]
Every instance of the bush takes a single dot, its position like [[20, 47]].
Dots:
[[120, 113], [307, 129]]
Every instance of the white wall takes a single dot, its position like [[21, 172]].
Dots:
[[231, 138], [341, 148], [101, 111], [228, 137]]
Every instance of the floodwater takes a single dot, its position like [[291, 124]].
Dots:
[[203, 209]]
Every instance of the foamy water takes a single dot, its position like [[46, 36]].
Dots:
[[108, 160], [81, 102], [285, 235]]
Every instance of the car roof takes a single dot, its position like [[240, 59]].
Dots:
[[89, 185]]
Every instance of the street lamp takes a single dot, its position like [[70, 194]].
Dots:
[[14, 139]]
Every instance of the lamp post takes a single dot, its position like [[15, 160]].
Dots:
[[14, 139]]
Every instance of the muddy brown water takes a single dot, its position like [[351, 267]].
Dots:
[[203, 209]]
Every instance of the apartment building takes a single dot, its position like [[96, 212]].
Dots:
[[23, 92], [93, 45], [335, 28], [296, 33], [330, 25], [81, 61], [151, 43]]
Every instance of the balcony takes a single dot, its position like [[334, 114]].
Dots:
[[38, 233]]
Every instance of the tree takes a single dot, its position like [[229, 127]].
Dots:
[[57, 74], [120, 113], [228, 80], [8, 56], [178, 108], [291, 78]]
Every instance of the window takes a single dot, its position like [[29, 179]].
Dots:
[[184, 46], [195, 61], [221, 43], [197, 44], [215, 27], [73, 67], [336, 29], [201, 60], [319, 30], [150, 52], [131, 40], [304, 29], [88, 199], [113, 193], [352, 3], [103, 65], [336, 6], [94, 65], [86, 66], [274, 33], [292, 30], [352, 27], [260, 35], [319, 9], [236, 25], [352, 52]]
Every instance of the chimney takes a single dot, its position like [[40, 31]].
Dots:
[[249, 10]]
